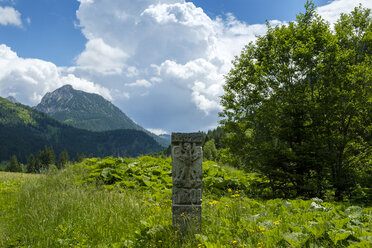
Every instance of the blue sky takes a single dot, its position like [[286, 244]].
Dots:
[[161, 61]]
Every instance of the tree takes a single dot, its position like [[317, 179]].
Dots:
[[79, 157], [62, 159], [296, 103], [31, 164], [46, 157], [13, 165], [209, 150]]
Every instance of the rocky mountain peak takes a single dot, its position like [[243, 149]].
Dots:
[[12, 99], [48, 102], [88, 111]]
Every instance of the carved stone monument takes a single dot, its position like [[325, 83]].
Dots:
[[187, 159]]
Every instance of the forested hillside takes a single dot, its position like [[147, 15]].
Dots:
[[24, 130]]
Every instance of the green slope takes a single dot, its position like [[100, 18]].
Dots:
[[88, 111], [24, 130]]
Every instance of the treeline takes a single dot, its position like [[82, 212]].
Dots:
[[43, 160]]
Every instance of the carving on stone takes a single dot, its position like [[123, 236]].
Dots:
[[187, 158], [188, 174]]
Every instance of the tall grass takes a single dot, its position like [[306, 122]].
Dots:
[[55, 212]]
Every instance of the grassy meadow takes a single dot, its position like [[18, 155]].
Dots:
[[116, 202]]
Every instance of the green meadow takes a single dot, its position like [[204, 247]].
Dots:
[[121, 202]]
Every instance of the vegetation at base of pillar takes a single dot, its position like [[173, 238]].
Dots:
[[297, 105], [126, 202]]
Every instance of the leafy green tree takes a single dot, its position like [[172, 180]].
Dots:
[[13, 165], [31, 164], [209, 150], [297, 103], [62, 159]]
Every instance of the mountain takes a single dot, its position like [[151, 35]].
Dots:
[[88, 111], [11, 99], [24, 130]]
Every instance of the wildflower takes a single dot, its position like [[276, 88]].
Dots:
[[182, 214], [234, 242], [200, 245], [261, 228], [213, 202], [251, 230], [160, 241], [229, 190], [276, 222], [235, 195]]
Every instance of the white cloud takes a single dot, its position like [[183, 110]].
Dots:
[[30, 79], [157, 131], [139, 83], [331, 12], [100, 57], [10, 16]]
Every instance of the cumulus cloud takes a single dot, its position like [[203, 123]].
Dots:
[[171, 57], [30, 79], [10, 16], [100, 57], [331, 12]]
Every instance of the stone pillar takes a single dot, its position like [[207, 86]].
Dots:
[[187, 172]]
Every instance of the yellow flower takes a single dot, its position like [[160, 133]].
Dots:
[[261, 228], [229, 190], [251, 230], [234, 242], [276, 222], [235, 195], [213, 202], [182, 214], [160, 241]]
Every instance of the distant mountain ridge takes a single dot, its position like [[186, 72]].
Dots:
[[88, 111], [24, 130]]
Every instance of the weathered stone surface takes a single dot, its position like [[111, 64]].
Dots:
[[187, 137], [187, 158], [187, 196], [187, 218]]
